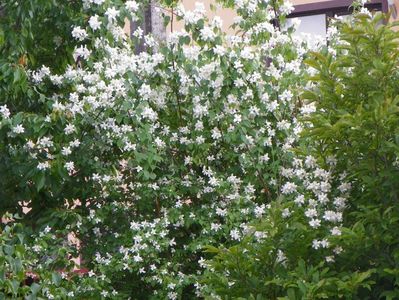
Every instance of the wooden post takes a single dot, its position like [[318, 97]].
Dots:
[[152, 23]]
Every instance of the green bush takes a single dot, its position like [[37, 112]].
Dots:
[[352, 134], [40, 266], [161, 153], [357, 119]]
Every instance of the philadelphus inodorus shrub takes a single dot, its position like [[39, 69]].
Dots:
[[171, 150]]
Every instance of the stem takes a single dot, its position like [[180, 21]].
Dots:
[[172, 20], [276, 15]]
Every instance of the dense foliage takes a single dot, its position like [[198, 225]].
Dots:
[[357, 121], [259, 165], [353, 132]]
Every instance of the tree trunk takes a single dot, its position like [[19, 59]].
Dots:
[[152, 23]]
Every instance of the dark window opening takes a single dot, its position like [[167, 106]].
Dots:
[[315, 16]]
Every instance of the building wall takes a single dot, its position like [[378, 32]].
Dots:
[[228, 15]]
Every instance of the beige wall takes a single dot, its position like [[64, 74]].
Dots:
[[228, 15]]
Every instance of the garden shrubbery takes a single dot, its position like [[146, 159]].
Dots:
[[353, 132], [258, 166]]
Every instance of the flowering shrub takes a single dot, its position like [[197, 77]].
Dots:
[[291, 250], [32, 33], [183, 145], [356, 120], [332, 233], [40, 266]]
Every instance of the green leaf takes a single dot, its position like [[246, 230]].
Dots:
[[41, 181], [35, 288], [56, 278]]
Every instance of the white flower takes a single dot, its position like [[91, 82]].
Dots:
[[280, 256], [70, 128], [308, 108], [79, 33], [332, 216], [5, 112], [335, 231], [213, 181], [259, 210], [330, 259], [310, 161], [145, 91], [75, 143], [129, 147], [286, 213], [58, 106], [235, 234], [246, 53], [150, 114], [289, 188], [104, 294], [66, 151], [216, 226], [324, 243], [314, 223], [30, 144], [216, 133], [207, 34], [283, 125], [70, 166], [82, 52], [339, 202], [133, 6], [344, 187], [171, 286], [221, 212], [264, 158], [365, 10], [396, 162], [43, 165], [259, 235], [315, 244], [237, 118], [18, 129], [271, 106], [287, 8], [217, 22], [300, 200], [45, 142], [94, 22], [219, 50], [160, 143], [311, 213], [137, 258], [338, 250], [112, 13]]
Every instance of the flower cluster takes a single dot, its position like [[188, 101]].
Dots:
[[170, 151]]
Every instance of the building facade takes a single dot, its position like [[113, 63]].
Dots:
[[314, 14]]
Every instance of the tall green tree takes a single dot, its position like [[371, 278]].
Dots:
[[357, 121]]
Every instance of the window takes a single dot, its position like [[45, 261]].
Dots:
[[314, 16], [314, 25]]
